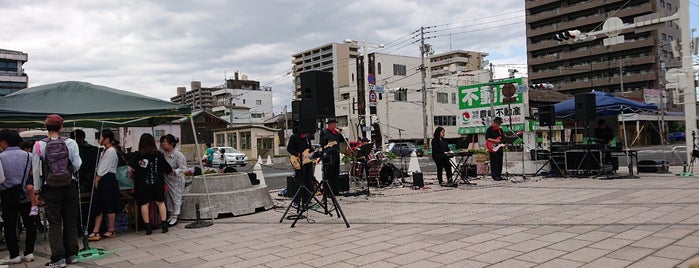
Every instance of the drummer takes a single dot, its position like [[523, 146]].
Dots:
[[362, 153]]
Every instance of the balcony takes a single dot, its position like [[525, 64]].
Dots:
[[549, 29], [448, 61], [608, 81], [534, 4]]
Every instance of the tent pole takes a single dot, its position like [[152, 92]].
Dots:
[[201, 165], [626, 144]]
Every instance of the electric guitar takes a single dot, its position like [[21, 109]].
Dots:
[[494, 146]]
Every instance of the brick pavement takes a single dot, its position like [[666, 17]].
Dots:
[[647, 222]]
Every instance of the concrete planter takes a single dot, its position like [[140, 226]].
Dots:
[[230, 193]]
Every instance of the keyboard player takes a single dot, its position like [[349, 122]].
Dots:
[[440, 148], [604, 134]]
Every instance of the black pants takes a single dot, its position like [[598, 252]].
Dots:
[[496, 164], [62, 214], [304, 177], [11, 211], [331, 170], [443, 163]]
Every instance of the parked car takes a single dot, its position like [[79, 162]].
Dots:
[[233, 157], [676, 136], [403, 149]]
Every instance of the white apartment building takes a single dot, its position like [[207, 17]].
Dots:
[[243, 106], [331, 57], [12, 75]]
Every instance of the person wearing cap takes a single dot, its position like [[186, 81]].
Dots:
[[330, 140], [61, 202], [494, 134]]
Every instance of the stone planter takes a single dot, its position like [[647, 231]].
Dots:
[[230, 193]]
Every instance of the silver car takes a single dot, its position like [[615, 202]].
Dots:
[[233, 157]]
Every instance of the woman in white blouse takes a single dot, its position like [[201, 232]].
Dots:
[[106, 194], [174, 180]]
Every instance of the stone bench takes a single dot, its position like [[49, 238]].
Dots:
[[230, 193]]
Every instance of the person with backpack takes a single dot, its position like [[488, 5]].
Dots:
[[16, 166], [56, 159], [149, 169], [174, 180], [106, 195]]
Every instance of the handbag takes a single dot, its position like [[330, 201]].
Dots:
[[122, 176]]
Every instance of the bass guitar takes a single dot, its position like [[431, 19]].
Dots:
[[305, 157]]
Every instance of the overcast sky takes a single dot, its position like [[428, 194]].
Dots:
[[152, 47]]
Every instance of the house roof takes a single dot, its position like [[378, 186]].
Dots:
[[247, 126]]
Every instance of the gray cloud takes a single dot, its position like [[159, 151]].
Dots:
[[152, 47]]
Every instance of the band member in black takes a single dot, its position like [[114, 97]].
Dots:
[[603, 133], [439, 149], [330, 140], [298, 144], [493, 135]]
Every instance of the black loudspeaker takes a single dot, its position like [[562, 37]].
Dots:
[[547, 116], [299, 122], [418, 181], [290, 186], [344, 182], [317, 99], [585, 107], [295, 110], [582, 160]]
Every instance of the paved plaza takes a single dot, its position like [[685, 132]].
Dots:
[[576, 222]]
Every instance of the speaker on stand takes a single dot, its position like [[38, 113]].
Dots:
[[317, 98]]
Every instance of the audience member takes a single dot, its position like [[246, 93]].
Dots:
[[150, 167], [175, 180], [106, 197]]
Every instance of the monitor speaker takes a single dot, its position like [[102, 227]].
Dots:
[[317, 99], [547, 116], [585, 107]]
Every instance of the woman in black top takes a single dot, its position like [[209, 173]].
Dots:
[[439, 149], [150, 167]]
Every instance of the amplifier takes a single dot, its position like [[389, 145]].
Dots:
[[539, 154], [418, 181], [583, 160], [290, 186]]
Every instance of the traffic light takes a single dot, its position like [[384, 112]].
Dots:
[[566, 35], [541, 86]]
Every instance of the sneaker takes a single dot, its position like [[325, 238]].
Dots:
[[172, 222], [72, 259], [59, 263], [8, 260], [34, 211], [28, 258], [149, 229]]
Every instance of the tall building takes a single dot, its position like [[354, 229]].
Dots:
[[243, 101], [584, 66], [331, 57], [198, 97], [456, 61], [12, 75]]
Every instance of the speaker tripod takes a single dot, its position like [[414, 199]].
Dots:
[[305, 205], [588, 152], [550, 162]]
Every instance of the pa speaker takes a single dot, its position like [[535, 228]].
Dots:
[[547, 116], [418, 181], [317, 99], [290, 186], [299, 123], [585, 107], [295, 110]]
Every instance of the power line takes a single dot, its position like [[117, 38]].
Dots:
[[463, 21], [474, 30]]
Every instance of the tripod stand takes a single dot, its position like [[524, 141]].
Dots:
[[588, 152], [550, 162], [306, 204]]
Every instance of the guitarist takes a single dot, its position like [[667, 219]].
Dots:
[[298, 144], [330, 140], [493, 135]]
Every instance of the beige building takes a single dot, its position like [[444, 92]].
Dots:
[[331, 57], [12, 75], [455, 61], [253, 140]]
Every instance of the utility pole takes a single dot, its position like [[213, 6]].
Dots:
[[621, 75], [690, 96], [425, 143], [491, 90]]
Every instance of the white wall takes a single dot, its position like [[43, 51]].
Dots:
[[133, 134], [245, 98]]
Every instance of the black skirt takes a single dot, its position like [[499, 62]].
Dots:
[[107, 198]]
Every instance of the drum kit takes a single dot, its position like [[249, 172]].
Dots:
[[371, 167]]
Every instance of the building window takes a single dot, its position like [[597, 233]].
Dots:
[[245, 143], [401, 95], [378, 68], [453, 98], [243, 101], [258, 102], [669, 6], [664, 37], [8, 66], [220, 139], [662, 3], [442, 97], [159, 133], [399, 69], [233, 140], [344, 96], [352, 77], [342, 121], [255, 115], [445, 120]]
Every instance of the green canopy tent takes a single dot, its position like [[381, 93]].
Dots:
[[84, 104]]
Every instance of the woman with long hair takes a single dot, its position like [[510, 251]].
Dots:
[[106, 193], [175, 180], [439, 150], [150, 167]]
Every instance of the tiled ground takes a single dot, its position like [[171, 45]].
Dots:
[[647, 222]]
